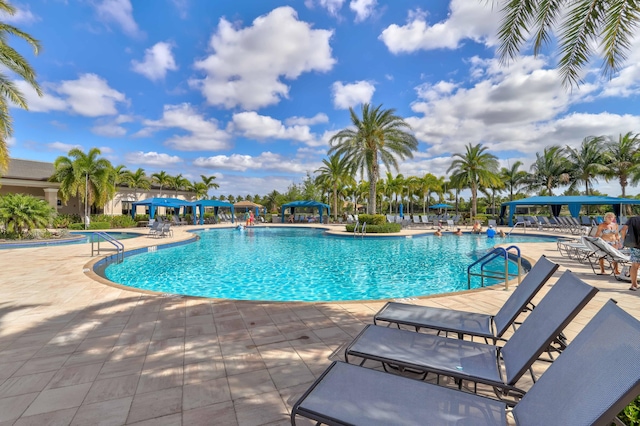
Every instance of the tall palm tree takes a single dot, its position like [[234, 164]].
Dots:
[[587, 162], [513, 178], [272, 200], [9, 93], [428, 184], [475, 168], [119, 175], [550, 170], [162, 178], [335, 173], [199, 189], [393, 187], [138, 180], [578, 24], [621, 159], [380, 136], [84, 175], [178, 183], [411, 186]]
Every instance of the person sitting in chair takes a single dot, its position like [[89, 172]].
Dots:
[[290, 219]]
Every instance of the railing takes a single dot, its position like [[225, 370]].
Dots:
[[493, 274], [95, 245], [363, 229]]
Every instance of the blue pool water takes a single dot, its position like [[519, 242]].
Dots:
[[297, 264], [79, 237]]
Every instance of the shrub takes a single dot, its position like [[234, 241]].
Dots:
[[122, 221], [631, 413], [20, 213], [64, 220], [385, 228], [76, 226], [141, 217], [372, 219], [100, 225]]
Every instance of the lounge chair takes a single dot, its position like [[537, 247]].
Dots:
[[469, 323], [473, 361], [589, 384], [165, 230], [154, 228], [602, 250]]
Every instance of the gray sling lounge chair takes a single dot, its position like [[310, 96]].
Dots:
[[595, 378], [469, 323], [473, 361]]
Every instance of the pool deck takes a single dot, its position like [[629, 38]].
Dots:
[[76, 351]]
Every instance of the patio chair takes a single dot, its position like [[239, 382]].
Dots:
[[499, 367], [602, 250], [165, 230], [154, 228], [589, 384], [470, 323]]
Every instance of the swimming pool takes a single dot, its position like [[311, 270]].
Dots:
[[77, 237], [298, 264]]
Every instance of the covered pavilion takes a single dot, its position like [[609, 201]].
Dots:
[[573, 202], [306, 204], [216, 204], [154, 203]]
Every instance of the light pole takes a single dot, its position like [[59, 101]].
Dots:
[[86, 199]]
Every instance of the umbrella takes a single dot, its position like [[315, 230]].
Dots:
[[401, 210], [441, 206]]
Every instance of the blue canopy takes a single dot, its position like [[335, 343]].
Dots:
[[216, 204], [154, 203], [441, 206], [574, 202], [310, 204]]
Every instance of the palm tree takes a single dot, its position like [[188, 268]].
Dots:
[[83, 174], [393, 187], [119, 175], [550, 170], [611, 24], [335, 173], [379, 137], [16, 63], [513, 178], [21, 213], [138, 180], [161, 178], [621, 159], [587, 162], [411, 185], [178, 183], [428, 184], [199, 189], [209, 182], [475, 168], [272, 199]]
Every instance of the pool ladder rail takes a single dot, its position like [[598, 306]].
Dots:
[[494, 274], [363, 229], [118, 247]]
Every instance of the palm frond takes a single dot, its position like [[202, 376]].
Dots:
[[620, 23], [517, 15], [546, 18]]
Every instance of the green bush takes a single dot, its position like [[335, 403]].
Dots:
[[631, 414], [122, 221], [20, 213], [76, 226], [482, 218], [141, 217], [385, 228], [61, 221], [372, 219], [92, 226]]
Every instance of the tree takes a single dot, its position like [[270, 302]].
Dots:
[[583, 24], [83, 175], [428, 184], [621, 159], [119, 175], [16, 63], [162, 179], [200, 189], [178, 183], [586, 162], [209, 182], [138, 180], [21, 213], [475, 168], [513, 178], [550, 170], [379, 136], [272, 200], [335, 173]]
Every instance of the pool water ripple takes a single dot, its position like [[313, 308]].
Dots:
[[297, 264]]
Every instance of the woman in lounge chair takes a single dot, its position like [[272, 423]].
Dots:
[[608, 231], [290, 219]]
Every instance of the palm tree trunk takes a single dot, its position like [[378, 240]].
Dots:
[[335, 203]]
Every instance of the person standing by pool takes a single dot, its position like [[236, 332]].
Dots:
[[491, 232], [608, 231], [252, 218], [630, 235], [247, 218]]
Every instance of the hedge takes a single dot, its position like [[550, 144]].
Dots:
[[386, 228]]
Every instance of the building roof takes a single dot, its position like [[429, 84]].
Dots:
[[29, 170]]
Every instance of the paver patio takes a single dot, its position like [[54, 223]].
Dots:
[[76, 351]]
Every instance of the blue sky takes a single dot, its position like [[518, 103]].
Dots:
[[252, 90]]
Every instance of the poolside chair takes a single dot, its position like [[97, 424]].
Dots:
[[589, 384], [464, 360], [154, 227], [165, 230], [469, 323], [602, 250]]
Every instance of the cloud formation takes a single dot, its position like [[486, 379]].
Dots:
[[346, 96], [248, 64], [363, 8], [267, 161], [158, 59], [152, 158], [23, 16], [119, 12]]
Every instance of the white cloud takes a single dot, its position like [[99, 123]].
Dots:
[[474, 20], [89, 96], [158, 59], [248, 64], [260, 127], [267, 161], [110, 130], [151, 158], [202, 134], [182, 6], [119, 12], [23, 15], [304, 121], [346, 96], [11, 141], [332, 6], [363, 8], [61, 146]]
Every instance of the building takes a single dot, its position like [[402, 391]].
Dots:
[[32, 178]]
